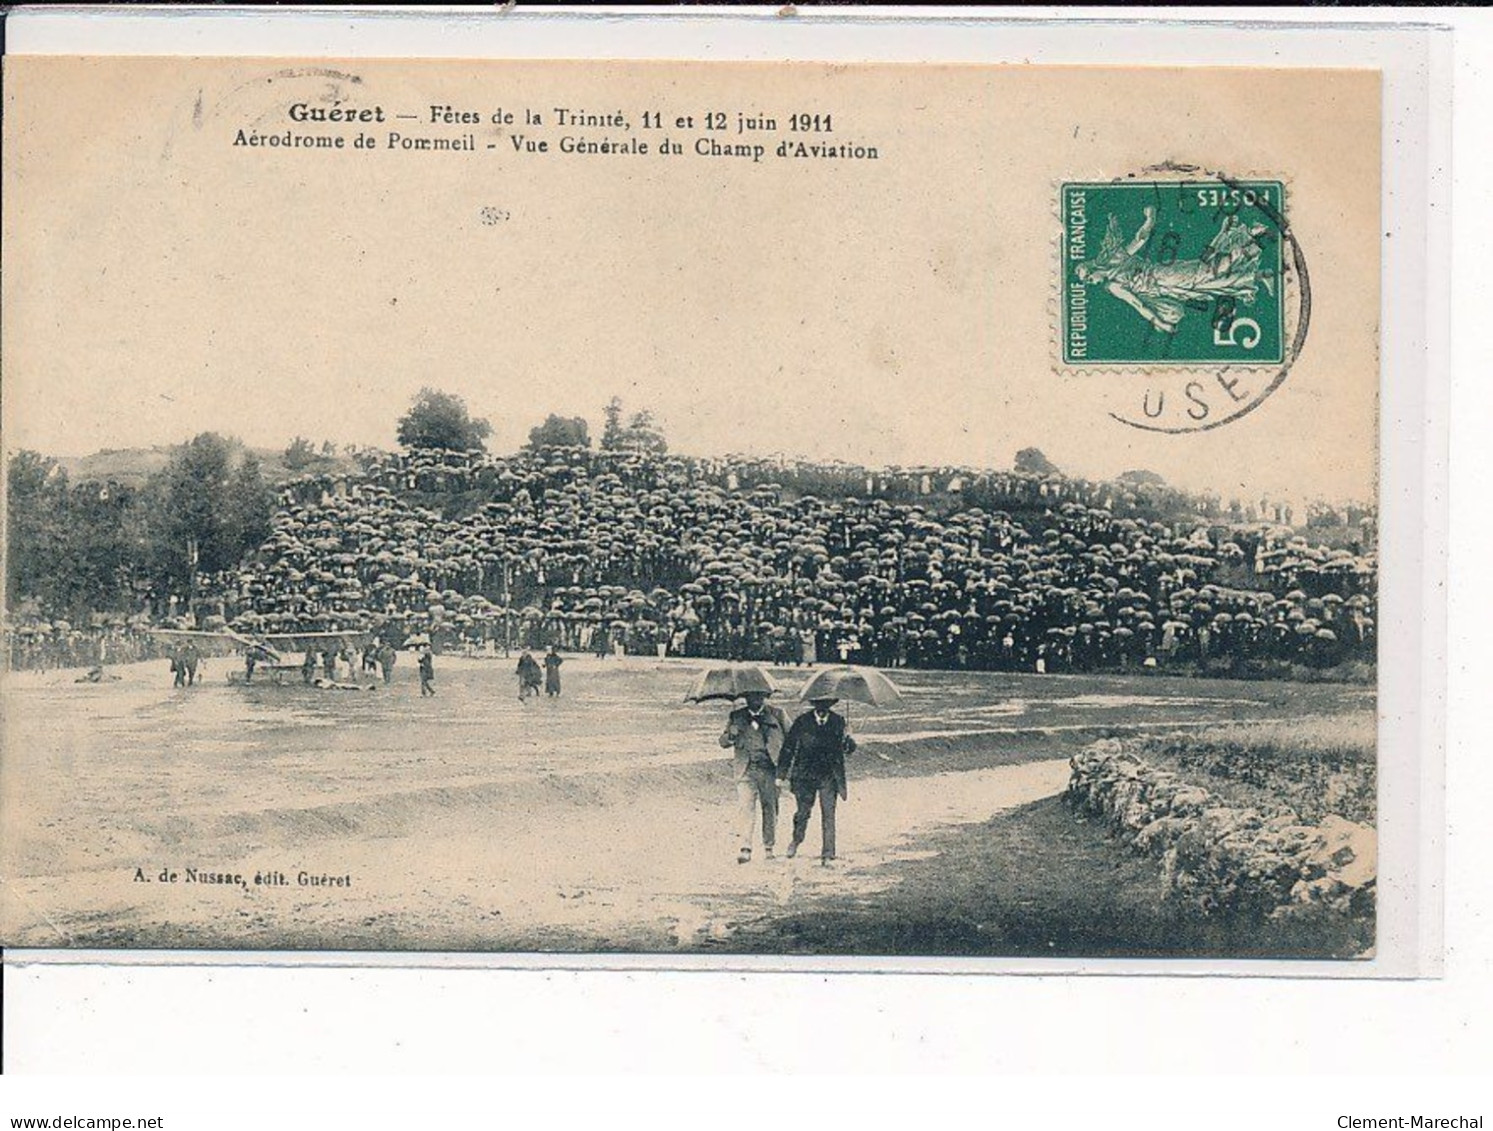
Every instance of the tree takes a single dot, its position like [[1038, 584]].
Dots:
[[100, 554], [611, 433], [560, 432], [1033, 462], [190, 529], [300, 454], [79, 548], [36, 498], [440, 421], [1142, 477], [74, 549], [247, 508], [643, 434], [205, 510]]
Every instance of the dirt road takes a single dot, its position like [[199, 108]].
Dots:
[[601, 821]]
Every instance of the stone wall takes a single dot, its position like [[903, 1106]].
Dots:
[[1220, 857]]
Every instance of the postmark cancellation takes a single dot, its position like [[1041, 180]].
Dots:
[[1186, 293]]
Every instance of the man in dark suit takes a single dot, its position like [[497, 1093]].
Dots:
[[813, 764]]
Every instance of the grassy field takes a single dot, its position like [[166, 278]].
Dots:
[[1034, 882], [598, 821]]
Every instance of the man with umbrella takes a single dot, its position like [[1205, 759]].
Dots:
[[813, 760], [756, 733], [813, 763]]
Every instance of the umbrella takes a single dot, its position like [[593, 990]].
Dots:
[[730, 681], [856, 685]]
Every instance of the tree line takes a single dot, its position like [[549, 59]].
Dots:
[[75, 548], [440, 420], [93, 546]]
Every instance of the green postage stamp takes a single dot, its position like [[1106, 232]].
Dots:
[[1162, 273]]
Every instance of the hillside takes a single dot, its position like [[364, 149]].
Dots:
[[133, 466]]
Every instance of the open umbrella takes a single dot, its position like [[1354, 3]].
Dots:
[[729, 681], [855, 685]]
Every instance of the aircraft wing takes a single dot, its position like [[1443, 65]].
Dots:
[[302, 641], [201, 634], [237, 639], [272, 644]]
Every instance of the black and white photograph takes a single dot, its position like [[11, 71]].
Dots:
[[607, 508]]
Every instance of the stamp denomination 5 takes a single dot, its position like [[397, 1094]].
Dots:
[[1193, 281]]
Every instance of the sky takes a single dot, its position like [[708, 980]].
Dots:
[[161, 281]]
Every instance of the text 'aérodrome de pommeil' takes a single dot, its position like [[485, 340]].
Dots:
[[811, 141]]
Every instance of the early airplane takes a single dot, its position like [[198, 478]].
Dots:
[[266, 653]]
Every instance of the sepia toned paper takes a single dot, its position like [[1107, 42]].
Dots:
[[807, 274]]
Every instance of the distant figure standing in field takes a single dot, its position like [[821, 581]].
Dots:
[[308, 667], [184, 665], [757, 734], [427, 672], [813, 763], [552, 664], [529, 677], [385, 656], [809, 649]]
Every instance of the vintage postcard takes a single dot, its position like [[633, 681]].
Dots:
[[892, 511]]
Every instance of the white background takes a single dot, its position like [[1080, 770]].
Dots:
[[1337, 1048]]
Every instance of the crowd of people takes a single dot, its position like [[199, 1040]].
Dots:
[[781, 562], [33, 644]]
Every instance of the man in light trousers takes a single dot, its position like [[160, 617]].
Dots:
[[756, 733]]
